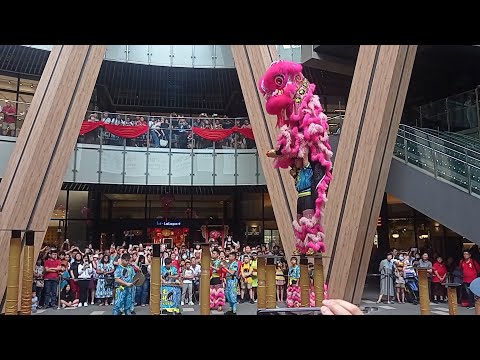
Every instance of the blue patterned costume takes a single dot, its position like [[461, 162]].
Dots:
[[231, 286], [293, 274], [123, 294]]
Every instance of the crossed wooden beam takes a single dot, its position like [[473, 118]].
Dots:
[[35, 171]]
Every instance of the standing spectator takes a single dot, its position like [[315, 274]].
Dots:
[[439, 275], [52, 268], [196, 276], [187, 276], [142, 291], [253, 264], [9, 119], [85, 271], [386, 281], [246, 279], [400, 283], [34, 302], [38, 278], [105, 281], [427, 264], [74, 285], [279, 280], [470, 269]]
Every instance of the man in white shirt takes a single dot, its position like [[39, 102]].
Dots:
[[196, 275], [187, 276]]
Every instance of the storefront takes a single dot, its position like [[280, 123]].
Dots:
[[95, 216]]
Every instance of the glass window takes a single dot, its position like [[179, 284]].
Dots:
[[209, 206], [78, 205], [251, 205], [60, 210], [267, 205], [127, 206], [174, 206], [77, 232]]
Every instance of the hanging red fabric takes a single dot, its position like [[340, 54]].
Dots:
[[88, 126], [220, 134], [131, 132], [128, 132]]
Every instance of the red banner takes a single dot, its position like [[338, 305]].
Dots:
[[128, 132], [131, 132], [220, 134]]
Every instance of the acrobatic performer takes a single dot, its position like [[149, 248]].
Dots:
[[124, 274], [232, 283], [217, 294], [302, 145]]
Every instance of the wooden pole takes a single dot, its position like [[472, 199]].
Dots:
[[27, 278], [318, 280], [452, 298], [261, 290], [11, 305], [155, 281], [271, 288], [205, 280], [304, 282], [477, 305], [423, 291]]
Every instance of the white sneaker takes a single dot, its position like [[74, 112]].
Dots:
[[63, 306], [85, 304], [92, 303], [183, 303], [144, 305], [80, 305], [191, 303]]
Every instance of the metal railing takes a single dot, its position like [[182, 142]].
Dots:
[[456, 167]]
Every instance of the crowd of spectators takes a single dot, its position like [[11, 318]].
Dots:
[[169, 130]]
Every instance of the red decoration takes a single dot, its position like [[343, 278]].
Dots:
[[131, 132], [128, 132], [220, 134], [214, 234]]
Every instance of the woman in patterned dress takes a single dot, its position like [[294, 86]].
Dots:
[[105, 271]]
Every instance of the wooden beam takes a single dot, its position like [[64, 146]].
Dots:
[[377, 96], [251, 62], [35, 171]]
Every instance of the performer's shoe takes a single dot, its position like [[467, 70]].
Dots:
[[310, 252], [230, 312], [296, 252]]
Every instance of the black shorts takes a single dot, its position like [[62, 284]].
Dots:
[[305, 203], [215, 281]]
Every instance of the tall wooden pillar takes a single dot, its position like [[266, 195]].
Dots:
[[375, 105], [251, 62], [36, 169]]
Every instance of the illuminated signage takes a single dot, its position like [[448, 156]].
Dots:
[[168, 223]]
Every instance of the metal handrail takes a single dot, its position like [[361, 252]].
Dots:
[[436, 137], [439, 151]]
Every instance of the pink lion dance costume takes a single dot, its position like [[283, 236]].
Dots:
[[303, 146], [217, 293]]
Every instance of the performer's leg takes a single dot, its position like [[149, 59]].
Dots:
[[118, 302], [233, 297], [128, 300]]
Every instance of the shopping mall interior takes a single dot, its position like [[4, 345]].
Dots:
[[219, 185]]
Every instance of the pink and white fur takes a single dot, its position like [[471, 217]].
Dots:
[[303, 132]]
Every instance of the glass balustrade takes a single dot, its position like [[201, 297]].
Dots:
[[440, 158]]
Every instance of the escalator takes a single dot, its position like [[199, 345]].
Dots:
[[438, 176]]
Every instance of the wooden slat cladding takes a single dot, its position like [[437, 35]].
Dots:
[[376, 100], [251, 62], [35, 171]]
